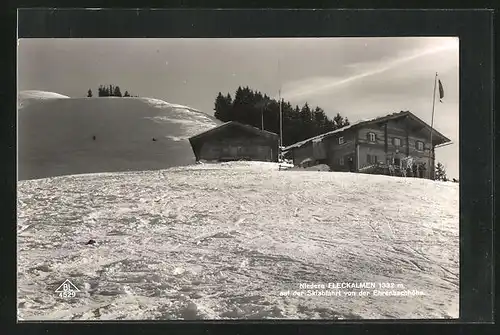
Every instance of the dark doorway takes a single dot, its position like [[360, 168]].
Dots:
[[350, 163]]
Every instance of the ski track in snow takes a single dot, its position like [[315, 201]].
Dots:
[[221, 241]]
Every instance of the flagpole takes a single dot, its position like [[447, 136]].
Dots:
[[431, 159], [281, 120], [262, 117], [281, 111]]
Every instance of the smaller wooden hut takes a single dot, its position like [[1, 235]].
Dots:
[[235, 141]]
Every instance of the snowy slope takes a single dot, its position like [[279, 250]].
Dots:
[[218, 241], [26, 97], [41, 95], [55, 134]]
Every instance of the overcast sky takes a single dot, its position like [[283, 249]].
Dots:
[[357, 77]]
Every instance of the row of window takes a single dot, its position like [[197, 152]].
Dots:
[[372, 159], [372, 137], [342, 161]]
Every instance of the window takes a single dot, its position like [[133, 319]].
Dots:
[[420, 146], [341, 140], [372, 137], [397, 142], [341, 161], [371, 159]]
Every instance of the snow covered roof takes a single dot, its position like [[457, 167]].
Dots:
[[245, 126], [365, 122], [322, 136]]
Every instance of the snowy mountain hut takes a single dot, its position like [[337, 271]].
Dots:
[[233, 141], [374, 146]]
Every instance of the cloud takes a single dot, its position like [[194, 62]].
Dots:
[[323, 85]]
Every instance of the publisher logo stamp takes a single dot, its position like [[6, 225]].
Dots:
[[67, 290]]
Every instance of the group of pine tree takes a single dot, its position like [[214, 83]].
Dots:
[[109, 91], [256, 109]]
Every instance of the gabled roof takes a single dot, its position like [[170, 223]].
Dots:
[[254, 130], [365, 122]]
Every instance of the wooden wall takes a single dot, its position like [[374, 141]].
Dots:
[[378, 148], [394, 129], [238, 149], [345, 150], [393, 132], [366, 149], [233, 143], [332, 149], [302, 153]]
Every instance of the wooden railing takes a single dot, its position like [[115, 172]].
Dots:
[[383, 169]]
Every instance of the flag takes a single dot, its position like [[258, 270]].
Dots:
[[441, 91]]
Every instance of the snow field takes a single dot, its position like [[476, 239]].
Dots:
[[218, 241]]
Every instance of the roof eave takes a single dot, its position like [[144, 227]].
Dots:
[[367, 122], [219, 127], [195, 137], [443, 138], [328, 135]]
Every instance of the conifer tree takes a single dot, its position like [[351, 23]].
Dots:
[[440, 173], [222, 108], [250, 106], [339, 121], [117, 92]]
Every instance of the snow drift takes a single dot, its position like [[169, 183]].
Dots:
[[227, 241], [26, 96], [55, 134], [319, 167]]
